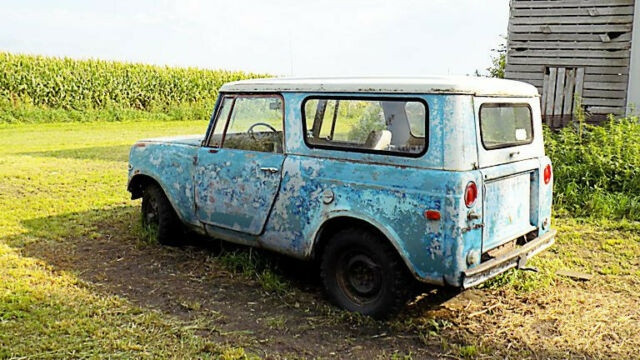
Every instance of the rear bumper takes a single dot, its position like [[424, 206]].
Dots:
[[517, 258]]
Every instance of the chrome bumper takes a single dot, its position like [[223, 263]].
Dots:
[[517, 258]]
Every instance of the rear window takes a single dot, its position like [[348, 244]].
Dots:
[[505, 125], [388, 125]]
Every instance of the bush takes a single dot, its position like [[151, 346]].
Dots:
[[597, 168]]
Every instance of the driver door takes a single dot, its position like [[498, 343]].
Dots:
[[238, 170]]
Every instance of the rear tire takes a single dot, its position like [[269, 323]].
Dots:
[[363, 273], [158, 214]]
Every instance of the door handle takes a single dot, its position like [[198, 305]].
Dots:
[[270, 170]]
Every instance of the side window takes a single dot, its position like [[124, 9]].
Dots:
[[370, 125]]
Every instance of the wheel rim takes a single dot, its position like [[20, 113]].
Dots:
[[359, 277]]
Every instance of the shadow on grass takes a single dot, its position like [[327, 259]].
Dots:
[[106, 153], [206, 281]]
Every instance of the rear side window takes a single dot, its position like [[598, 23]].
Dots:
[[392, 125], [505, 125]]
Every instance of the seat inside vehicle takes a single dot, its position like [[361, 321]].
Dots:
[[389, 125], [379, 140]]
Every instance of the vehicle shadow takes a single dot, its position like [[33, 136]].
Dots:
[[206, 282], [105, 153], [206, 279]]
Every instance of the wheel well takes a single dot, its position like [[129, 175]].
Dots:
[[331, 226], [139, 182]]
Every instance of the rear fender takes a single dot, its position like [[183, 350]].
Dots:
[[386, 231]]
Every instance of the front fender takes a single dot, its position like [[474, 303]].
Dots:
[[172, 167]]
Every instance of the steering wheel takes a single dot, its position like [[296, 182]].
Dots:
[[252, 134]]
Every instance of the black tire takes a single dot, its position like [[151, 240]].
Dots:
[[158, 213], [363, 273]]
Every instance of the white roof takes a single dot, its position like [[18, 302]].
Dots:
[[411, 85]]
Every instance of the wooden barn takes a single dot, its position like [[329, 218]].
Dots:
[[583, 47]]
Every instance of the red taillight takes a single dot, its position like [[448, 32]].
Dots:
[[547, 174], [432, 215], [470, 194]]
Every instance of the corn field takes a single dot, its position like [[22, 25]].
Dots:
[[63, 83]]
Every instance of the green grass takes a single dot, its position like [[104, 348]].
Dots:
[[607, 249], [48, 315], [25, 113], [60, 182], [597, 169], [56, 182], [256, 266]]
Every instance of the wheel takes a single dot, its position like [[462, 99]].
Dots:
[[158, 214], [363, 273]]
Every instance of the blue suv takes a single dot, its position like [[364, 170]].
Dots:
[[384, 181]]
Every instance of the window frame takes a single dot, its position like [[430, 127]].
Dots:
[[216, 119], [500, 105], [235, 96], [367, 98]]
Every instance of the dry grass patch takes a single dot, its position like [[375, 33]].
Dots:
[[543, 315]]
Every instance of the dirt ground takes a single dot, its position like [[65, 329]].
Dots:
[[189, 283]]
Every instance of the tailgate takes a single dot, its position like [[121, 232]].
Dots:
[[507, 209]]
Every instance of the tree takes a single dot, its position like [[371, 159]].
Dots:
[[499, 60]]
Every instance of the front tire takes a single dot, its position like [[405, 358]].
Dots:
[[363, 273], [159, 215]]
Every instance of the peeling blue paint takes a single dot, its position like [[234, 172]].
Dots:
[[232, 190], [227, 192], [171, 164]]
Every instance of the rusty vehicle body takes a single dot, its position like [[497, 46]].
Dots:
[[443, 180]]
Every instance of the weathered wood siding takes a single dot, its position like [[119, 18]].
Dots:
[[554, 44], [633, 96]]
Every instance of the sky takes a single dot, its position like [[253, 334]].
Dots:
[[278, 37]]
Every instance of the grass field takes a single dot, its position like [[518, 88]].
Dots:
[[61, 171], [62, 191]]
